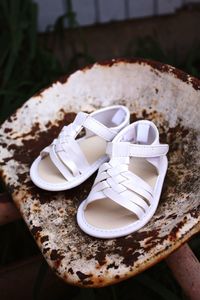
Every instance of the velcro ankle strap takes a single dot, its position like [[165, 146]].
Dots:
[[99, 129], [124, 149], [148, 150]]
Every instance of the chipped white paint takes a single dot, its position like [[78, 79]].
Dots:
[[139, 85], [100, 86]]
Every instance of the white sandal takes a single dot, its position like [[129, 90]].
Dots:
[[68, 161], [127, 189]]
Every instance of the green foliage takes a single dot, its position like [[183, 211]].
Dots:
[[78, 57], [25, 67], [192, 62], [150, 48]]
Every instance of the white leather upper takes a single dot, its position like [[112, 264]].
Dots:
[[116, 182], [65, 152]]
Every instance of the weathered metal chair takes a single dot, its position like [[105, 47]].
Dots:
[[151, 90]]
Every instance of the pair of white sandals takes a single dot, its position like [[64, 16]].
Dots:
[[132, 166]]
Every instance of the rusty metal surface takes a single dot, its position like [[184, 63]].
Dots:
[[151, 90]]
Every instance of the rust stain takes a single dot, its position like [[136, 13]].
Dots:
[[70, 270], [100, 256], [175, 230], [44, 238], [32, 147], [84, 278], [56, 258], [35, 230], [7, 130], [127, 248], [113, 265], [55, 255], [45, 250], [194, 212]]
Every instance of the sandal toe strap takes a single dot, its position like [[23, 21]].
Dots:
[[65, 151], [124, 188], [68, 158]]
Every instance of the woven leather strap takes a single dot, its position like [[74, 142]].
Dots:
[[123, 187], [65, 151]]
